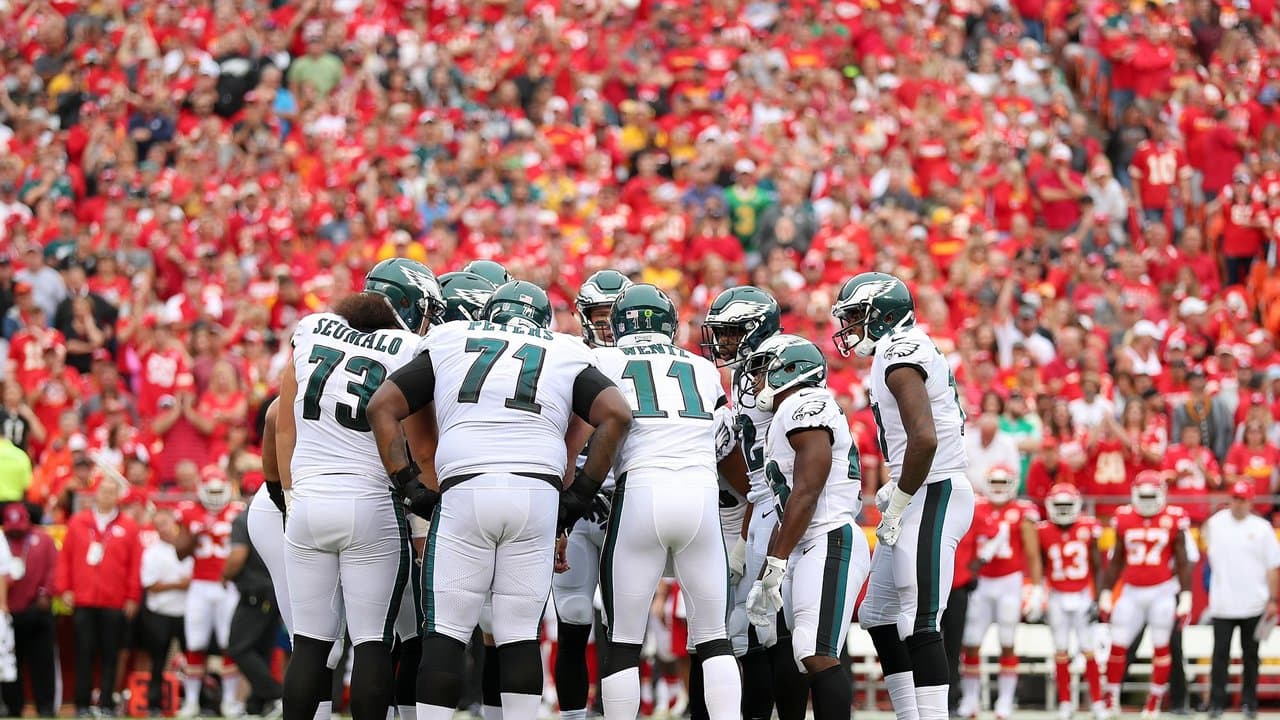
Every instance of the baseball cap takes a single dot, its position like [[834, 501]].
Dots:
[[1239, 489], [16, 518], [744, 166]]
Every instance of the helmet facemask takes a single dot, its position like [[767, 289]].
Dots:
[[1148, 499], [724, 343], [1063, 508], [1002, 486]]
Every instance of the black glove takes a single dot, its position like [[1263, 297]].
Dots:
[[601, 506], [418, 498], [275, 491], [576, 501]]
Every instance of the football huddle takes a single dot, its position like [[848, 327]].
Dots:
[[440, 460]]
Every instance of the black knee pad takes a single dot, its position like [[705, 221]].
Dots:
[[440, 672], [306, 683], [894, 655], [408, 657], [571, 665], [790, 685], [713, 648], [491, 677], [928, 659], [372, 681], [520, 665], [621, 656]]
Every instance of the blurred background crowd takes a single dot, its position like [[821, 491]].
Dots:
[[1084, 196]]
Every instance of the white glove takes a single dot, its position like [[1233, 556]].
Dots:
[[1035, 603], [884, 494], [765, 599], [891, 521], [288, 500], [738, 560], [1184, 605], [1104, 605], [766, 635], [993, 546]]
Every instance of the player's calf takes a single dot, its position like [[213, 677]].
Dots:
[[372, 681], [895, 664], [572, 683], [440, 676], [407, 657], [929, 670], [790, 686], [1006, 683], [970, 680], [307, 681], [830, 688], [520, 679], [620, 681]]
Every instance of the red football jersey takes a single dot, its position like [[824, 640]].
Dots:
[[1004, 520], [212, 532], [1066, 552], [1147, 543]]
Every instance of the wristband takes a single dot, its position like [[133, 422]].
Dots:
[[897, 502], [402, 478], [275, 491]]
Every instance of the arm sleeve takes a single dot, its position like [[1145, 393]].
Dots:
[[417, 381], [586, 387]]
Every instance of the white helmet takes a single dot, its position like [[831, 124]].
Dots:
[[1002, 485], [214, 491], [1063, 504], [1148, 496]]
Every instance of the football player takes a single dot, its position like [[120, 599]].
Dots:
[[503, 392], [492, 271], [205, 534], [666, 504], [738, 321], [266, 532], [1009, 550], [1150, 556], [465, 294], [1069, 544], [930, 506], [575, 589], [812, 465], [346, 534]]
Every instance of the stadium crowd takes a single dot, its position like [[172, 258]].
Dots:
[[1083, 196]]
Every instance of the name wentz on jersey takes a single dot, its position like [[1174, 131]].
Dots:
[[490, 391], [913, 348], [338, 369], [673, 394], [841, 498]]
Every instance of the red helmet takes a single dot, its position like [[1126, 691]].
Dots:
[[1063, 504], [1149, 491]]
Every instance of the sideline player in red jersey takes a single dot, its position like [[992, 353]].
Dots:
[[206, 536], [1009, 549], [1069, 545], [1150, 557]]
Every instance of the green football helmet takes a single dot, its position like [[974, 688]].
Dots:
[[871, 306], [600, 290], [492, 271], [519, 302], [643, 309], [410, 288], [465, 294], [738, 320], [780, 363]]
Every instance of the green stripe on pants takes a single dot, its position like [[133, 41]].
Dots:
[[402, 573], [835, 584], [929, 559], [606, 553], [428, 569]]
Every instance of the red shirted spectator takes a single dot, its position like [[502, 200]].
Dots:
[[1254, 460], [1194, 473], [221, 410], [1244, 225], [1158, 166], [31, 590], [99, 577]]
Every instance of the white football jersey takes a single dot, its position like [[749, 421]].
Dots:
[[913, 347], [673, 396], [338, 369], [503, 397], [841, 498], [753, 429], [732, 503]]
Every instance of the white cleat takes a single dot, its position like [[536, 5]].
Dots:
[[189, 710], [232, 709], [1065, 711], [1101, 711]]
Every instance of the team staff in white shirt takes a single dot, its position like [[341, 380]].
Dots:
[[1244, 583]]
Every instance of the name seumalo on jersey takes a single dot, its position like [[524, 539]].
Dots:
[[503, 397], [913, 348], [841, 498], [338, 369], [673, 396]]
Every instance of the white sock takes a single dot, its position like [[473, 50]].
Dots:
[[969, 689], [518, 706], [324, 711], [433, 712], [491, 712], [722, 687], [573, 714], [931, 702], [1007, 685], [191, 689], [661, 696], [407, 712], [391, 713], [231, 688], [621, 692], [902, 693]]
